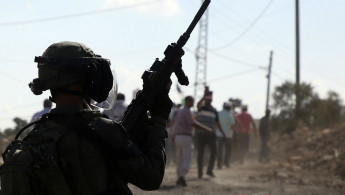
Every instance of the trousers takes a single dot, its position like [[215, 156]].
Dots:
[[223, 144], [264, 153], [243, 145], [184, 153], [202, 140]]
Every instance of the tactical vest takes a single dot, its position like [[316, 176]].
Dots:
[[49, 160]]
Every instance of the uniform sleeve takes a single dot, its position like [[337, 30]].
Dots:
[[145, 168], [142, 166]]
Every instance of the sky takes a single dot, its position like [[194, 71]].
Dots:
[[132, 33]]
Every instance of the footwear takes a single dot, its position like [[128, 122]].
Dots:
[[178, 182], [181, 182], [210, 173], [200, 175]]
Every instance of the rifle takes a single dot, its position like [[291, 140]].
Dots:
[[156, 78]]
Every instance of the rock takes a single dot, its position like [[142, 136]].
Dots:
[[282, 175], [326, 131], [250, 177], [295, 168], [336, 153], [295, 158], [327, 157], [302, 182], [337, 184]]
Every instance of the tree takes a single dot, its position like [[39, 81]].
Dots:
[[326, 112], [19, 124], [314, 111], [284, 98]]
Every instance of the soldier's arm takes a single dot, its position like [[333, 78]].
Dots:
[[142, 166], [145, 167]]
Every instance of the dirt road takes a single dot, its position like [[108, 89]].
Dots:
[[251, 178]]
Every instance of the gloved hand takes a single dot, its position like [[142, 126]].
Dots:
[[162, 106]]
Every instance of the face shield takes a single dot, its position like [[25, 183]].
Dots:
[[111, 99]]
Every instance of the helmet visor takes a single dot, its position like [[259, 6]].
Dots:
[[111, 99]]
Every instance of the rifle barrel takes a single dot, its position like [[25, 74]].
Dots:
[[198, 16], [184, 38]]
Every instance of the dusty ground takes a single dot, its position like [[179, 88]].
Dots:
[[247, 179], [290, 172]]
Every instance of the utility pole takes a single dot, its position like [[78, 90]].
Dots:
[[201, 57], [269, 80], [298, 99]]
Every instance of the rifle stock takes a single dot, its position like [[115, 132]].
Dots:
[[156, 78]]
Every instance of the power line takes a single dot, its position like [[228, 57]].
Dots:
[[77, 14], [12, 77], [138, 51], [248, 28], [234, 75], [235, 60], [262, 39], [23, 106], [278, 76]]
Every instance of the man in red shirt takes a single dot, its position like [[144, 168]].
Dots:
[[243, 132]]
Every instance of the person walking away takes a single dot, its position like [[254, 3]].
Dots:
[[265, 135], [182, 134], [208, 116], [117, 112], [227, 122], [170, 148], [47, 105], [243, 132]]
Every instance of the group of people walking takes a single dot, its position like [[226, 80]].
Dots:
[[206, 127]]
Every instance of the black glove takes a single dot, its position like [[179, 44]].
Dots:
[[162, 106]]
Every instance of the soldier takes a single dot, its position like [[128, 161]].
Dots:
[[95, 154]]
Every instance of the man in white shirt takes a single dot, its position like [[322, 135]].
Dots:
[[47, 105]]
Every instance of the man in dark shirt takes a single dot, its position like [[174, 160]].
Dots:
[[265, 135], [208, 116]]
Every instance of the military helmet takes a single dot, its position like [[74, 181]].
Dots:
[[52, 78], [66, 62]]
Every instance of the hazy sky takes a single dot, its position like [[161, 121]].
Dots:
[[132, 33]]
